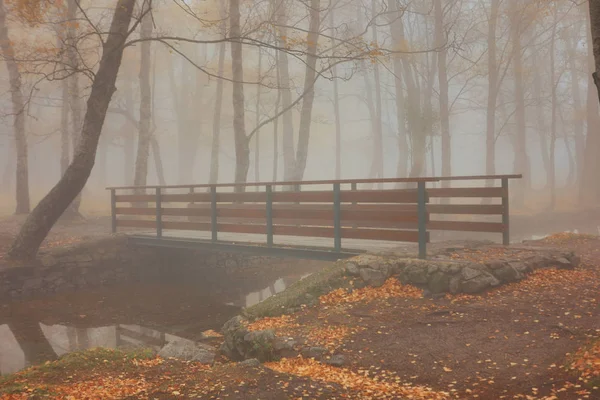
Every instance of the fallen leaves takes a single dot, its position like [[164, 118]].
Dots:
[[284, 321], [366, 387], [587, 363], [391, 288], [331, 336]]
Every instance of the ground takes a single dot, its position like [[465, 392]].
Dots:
[[536, 339]]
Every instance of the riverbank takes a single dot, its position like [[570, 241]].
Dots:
[[532, 338]]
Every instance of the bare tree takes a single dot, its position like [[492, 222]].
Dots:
[[18, 106], [51, 207]]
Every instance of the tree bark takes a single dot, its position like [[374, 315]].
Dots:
[[51, 207], [257, 134], [336, 99], [397, 33], [158, 164], [521, 158], [216, 127], [309, 89], [242, 151], [552, 158], [443, 87], [578, 127], [18, 107], [286, 93], [378, 142], [65, 153], [144, 135], [276, 124], [591, 193], [490, 137]]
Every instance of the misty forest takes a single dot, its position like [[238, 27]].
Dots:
[[415, 117]]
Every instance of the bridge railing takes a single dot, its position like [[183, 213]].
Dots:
[[338, 209]]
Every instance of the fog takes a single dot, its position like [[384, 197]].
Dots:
[[184, 85]]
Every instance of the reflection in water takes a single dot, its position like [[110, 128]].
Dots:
[[17, 354], [25, 341], [253, 298]]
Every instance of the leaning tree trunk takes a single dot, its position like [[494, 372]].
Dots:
[[593, 138], [242, 151], [309, 88], [50, 208], [18, 106], [140, 177]]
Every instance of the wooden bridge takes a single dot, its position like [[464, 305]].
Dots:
[[354, 215]]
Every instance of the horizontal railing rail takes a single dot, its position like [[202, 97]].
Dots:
[[338, 212]]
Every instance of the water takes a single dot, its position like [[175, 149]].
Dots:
[[145, 315]]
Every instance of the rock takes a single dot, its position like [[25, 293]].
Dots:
[[282, 344], [479, 283], [563, 263], [520, 267], [314, 352], [352, 269], [188, 350], [469, 273], [439, 283], [234, 332], [574, 259], [454, 284], [507, 273], [251, 362], [494, 265], [416, 274], [260, 345], [337, 360], [373, 277]]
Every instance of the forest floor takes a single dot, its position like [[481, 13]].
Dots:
[[536, 339]]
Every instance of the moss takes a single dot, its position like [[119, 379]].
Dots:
[[301, 292]]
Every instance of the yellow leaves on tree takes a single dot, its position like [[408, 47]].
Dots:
[[366, 387], [391, 288]]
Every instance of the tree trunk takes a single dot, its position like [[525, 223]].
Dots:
[[443, 86], [32, 341], [276, 124], [396, 30], [490, 137], [18, 107], [257, 134], [144, 135], [552, 164], [588, 193], [73, 82], [378, 142], [309, 89], [242, 151], [216, 128], [289, 160], [64, 128], [128, 137], [521, 158], [577, 108], [336, 99], [51, 207], [541, 120], [158, 164]]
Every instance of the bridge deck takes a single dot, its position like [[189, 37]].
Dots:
[[287, 246]]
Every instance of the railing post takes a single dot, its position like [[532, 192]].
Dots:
[[113, 210], [337, 223], [158, 213], [505, 213], [269, 203], [422, 219], [213, 213], [353, 187]]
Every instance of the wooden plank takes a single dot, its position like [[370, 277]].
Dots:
[[348, 233], [133, 198], [380, 196], [186, 226], [135, 211], [466, 192], [468, 209], [303, 197], [130, 223], [495, 227]]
